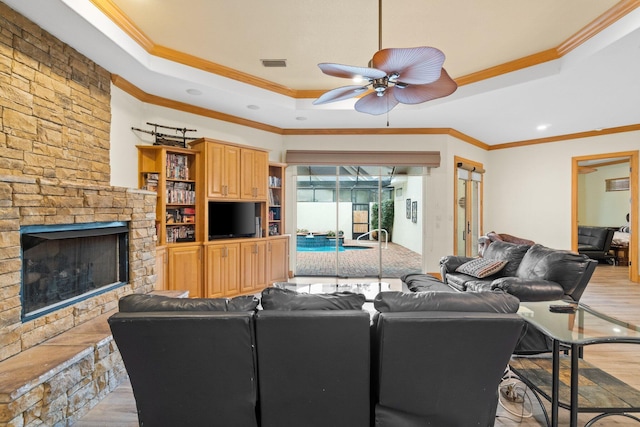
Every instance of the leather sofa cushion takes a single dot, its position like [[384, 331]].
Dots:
[[527, 290], [492, 302], [418, 282], [186, 366], [563, 267], [146, 302], [503, 237], [313, 368], [458, 281], [507, 252], [479, 286], [288, 300]]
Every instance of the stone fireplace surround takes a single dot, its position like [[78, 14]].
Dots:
[[68, 387], [55, 125]]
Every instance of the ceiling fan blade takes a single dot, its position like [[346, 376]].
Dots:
[[416, 94], [376, 105], [417, 65], [350, 71], [338, 94]]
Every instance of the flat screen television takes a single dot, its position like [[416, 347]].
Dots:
[[232, 219]]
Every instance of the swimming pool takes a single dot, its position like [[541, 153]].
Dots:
[[322, 243], [330, 248]]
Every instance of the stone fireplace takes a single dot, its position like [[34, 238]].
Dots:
[[67, 263], [55, 122], [76, 211]]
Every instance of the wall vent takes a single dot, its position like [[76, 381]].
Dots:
[[274, 63]]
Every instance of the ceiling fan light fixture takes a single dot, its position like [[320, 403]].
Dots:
[[423, 78]]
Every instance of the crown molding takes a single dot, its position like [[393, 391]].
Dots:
[[114, 13], [143, 96]]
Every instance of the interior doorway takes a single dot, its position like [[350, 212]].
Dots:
[[468, 206], [596, 203]]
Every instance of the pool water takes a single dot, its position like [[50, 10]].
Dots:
[[330, 248]]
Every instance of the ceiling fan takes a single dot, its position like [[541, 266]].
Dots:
[[396, 75]]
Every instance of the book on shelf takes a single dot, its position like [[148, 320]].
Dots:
[[182, 233], [182, 193], [275, 181], [177, 166], [274, 214], [274, 198], [181, 215], [150, 181]]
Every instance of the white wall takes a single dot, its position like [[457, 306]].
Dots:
[[128, 112], [405, 231], [528, 189], [599, 207], [321, 217]]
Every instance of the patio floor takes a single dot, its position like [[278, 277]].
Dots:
[[396, 261]]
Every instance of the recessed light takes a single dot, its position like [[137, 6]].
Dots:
[[253, 107], [195, 92], [301, 118], [544, 126]]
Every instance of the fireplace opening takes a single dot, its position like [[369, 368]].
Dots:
[[64, 264]]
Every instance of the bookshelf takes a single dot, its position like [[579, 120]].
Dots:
[[171, 171], [275, 211]]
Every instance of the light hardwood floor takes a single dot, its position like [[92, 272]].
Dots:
[[609, 291]]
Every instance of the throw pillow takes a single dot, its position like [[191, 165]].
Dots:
[[288, 300], [481, 267]]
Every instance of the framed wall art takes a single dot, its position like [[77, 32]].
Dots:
[[414, 212]]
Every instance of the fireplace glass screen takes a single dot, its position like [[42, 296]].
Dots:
[[64, 264]]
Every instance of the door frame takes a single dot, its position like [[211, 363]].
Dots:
[[478, 166], [633, 219]]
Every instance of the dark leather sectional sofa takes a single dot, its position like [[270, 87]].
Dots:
[[532, 273], [317, 360]]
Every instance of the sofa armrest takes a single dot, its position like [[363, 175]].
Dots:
[[529, 289], [449, 263]]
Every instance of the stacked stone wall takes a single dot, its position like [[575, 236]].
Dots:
[[55, 112]]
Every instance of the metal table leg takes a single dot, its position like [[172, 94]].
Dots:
[[555, 382], [575, 356]]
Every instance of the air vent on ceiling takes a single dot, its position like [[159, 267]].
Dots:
[[271, 63]]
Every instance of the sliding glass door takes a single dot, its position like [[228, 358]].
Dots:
[[347, 217]]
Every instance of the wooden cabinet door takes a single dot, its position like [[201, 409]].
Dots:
[[222, 270], [215, 170], [223, 171], [253, 266], [232, 171], [254, 170], [185, 269], [161, 268], [261, 174], [277, 260], [261, 267]]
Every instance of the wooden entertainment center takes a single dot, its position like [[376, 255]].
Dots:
[[191, 183]]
